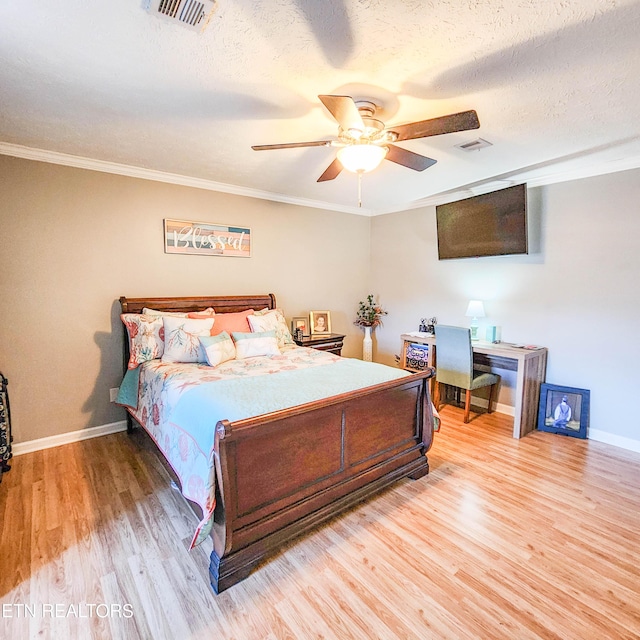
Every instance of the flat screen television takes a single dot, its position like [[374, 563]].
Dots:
[[492, 224]]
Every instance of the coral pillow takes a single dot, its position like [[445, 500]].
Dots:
[[146, 337], [250, 345], [205, 313], [181, 339], [218, 349], [231, 322]]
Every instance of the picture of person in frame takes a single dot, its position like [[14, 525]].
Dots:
[[562, 414], [321, 325], [320, 322]]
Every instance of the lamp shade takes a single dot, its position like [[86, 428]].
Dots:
[[475, 309], [361, 158]]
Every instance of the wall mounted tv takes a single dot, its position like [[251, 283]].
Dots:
[[492, 224]]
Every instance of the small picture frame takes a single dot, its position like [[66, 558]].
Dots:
[[563, 410], [300, 322], [320, 322]]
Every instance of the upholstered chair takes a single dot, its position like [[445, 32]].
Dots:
[[454, 365]]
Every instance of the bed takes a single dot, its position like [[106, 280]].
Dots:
[[277, 474]]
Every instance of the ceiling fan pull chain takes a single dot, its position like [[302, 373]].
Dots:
[[360, 188]]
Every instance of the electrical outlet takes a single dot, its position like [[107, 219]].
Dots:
[[113, 394]]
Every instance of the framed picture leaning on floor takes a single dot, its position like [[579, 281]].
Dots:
[[563, 410]]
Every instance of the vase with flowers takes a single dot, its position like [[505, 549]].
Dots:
[[369, 316]]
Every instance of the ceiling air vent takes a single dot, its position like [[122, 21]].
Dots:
[[474, 145], [193, 14]]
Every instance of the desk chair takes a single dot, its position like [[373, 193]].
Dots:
[[454, 365]]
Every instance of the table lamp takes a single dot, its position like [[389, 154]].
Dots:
[[475, 310]]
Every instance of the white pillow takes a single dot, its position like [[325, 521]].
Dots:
[[181, 339], [218, 349], [250, 345], [155, 312], [271, 319]]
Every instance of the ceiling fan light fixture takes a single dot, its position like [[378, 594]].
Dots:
[[361, 158]]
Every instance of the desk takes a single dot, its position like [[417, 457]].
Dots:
[[530, 366]]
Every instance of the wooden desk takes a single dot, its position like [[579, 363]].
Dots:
[[530, 367]]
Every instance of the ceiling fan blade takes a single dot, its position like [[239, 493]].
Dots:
[[462, 121], [332, 171], [408, 158], [291, 145], [344, 110]]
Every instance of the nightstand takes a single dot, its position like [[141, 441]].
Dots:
[[331, 342]]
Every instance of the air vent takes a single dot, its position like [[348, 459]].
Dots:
[[474, 145], [193, 14]]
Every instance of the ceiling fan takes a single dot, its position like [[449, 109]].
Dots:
[[363, 141]]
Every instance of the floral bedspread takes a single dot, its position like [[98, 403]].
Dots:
[[160, 388], [179, 404]]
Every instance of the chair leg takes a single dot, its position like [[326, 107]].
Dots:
[[436, 396], [467, 405], [491, 388]]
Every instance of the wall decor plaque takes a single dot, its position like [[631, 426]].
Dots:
[[206, 238]]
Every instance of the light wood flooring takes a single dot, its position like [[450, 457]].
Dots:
[[517, 539]]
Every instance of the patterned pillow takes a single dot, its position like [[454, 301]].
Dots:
[[272, 319], [181, 339], [249, 345], [218, 349], [146, 337], [231, 322], [155, 312]]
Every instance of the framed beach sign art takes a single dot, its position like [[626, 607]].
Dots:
[[206, 239], [563, 410]]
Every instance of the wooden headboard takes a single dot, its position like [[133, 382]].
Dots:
[[222, 304]]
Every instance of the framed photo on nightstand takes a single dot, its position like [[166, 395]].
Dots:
[[300, 322], [320, 322]]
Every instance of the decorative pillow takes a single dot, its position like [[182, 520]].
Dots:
[[271, 319], [249, 345], [231, 322], [218, 349], [155, 312], [181, 343], [205, 313], [146, 337]]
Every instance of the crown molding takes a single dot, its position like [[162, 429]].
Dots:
[[532, 179], [80, 162]]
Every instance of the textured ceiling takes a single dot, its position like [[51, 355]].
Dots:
[[556, 85]]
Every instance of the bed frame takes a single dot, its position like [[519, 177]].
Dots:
[[283, 473]]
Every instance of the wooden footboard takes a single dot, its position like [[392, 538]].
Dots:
[[285, 472]]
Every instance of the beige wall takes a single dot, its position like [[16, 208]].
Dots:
[[577, 292], [73, 241]]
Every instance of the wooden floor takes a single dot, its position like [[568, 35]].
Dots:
[[531, 538]]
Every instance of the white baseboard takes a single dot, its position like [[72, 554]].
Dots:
[[483, 403], [65, 438], [617, 441], [115, 427], [593, 434]]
